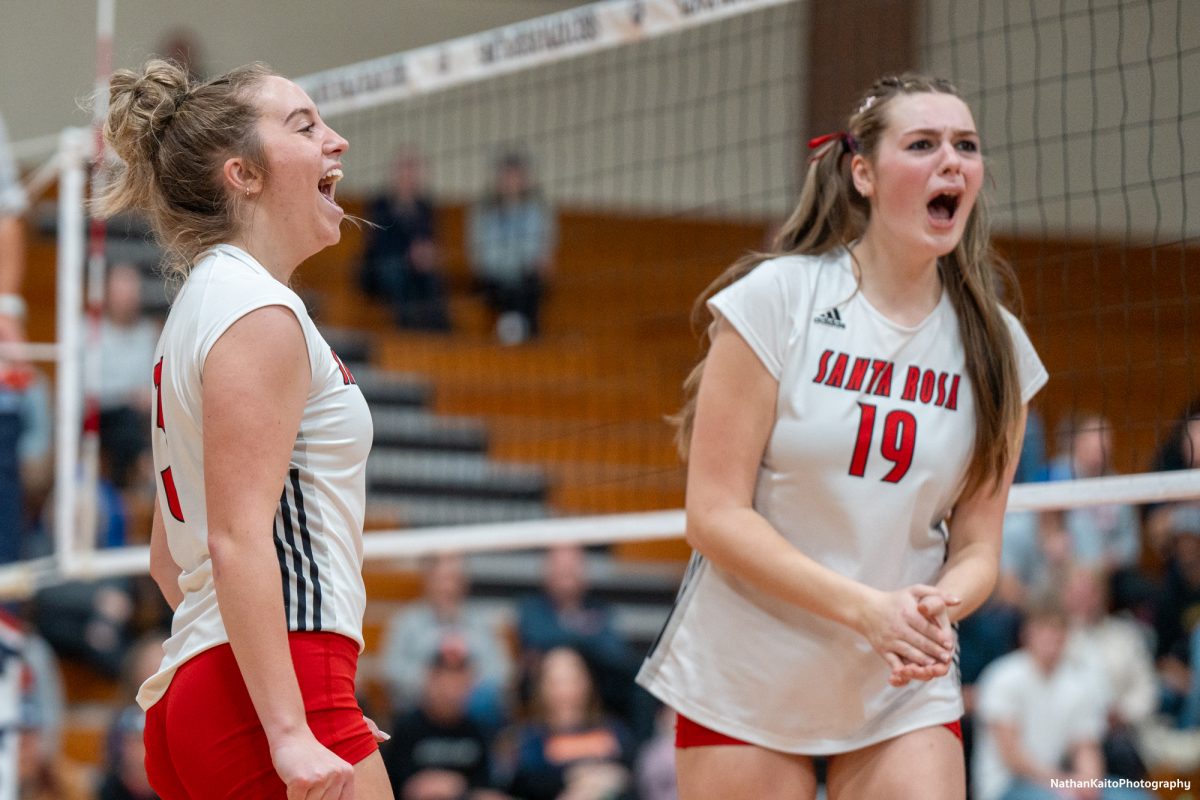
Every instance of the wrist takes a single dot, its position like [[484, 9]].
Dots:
[[12, 305], [862, 599], [284, 728]]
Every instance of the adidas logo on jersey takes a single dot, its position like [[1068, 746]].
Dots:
[[831, 318]]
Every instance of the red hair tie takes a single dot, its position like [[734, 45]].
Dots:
[[848, 141]]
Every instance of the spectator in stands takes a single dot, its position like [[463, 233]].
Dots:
[[89, 620], [1181, 450], [414, 634], [569, 749], [182, 45], [125, 754], [1035, 556], [1115, 646], [35, 451], [436, 751], [402, 262], [127, 341], [31, 692], [1032, 464], [42, 774], [1176, 622], [566, 614], [1042, 717], [656, 760], [125, 771], [1102, 536], [13, 372], [511, 237], [1107, 537]]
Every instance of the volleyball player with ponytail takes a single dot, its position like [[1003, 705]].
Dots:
[[851, 438], [260, 438]]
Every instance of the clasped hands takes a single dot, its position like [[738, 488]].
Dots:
[[910, 628]]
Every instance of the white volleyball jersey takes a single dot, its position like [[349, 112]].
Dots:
[[318, 525], [873, 433]]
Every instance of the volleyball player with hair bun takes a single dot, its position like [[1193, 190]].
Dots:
[[260, 436], [851, 438]]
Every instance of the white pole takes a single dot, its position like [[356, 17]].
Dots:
[[89, 456], [75, 145]]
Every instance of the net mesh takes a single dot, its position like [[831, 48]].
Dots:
[[1090, 126], [664, 158]]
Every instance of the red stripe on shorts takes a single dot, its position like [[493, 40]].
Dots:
[[692, 734]]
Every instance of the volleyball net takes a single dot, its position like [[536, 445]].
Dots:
[[666, 137]]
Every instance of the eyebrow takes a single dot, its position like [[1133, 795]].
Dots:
[[937, 132], [304, 110]]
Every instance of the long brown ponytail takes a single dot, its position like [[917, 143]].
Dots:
[[831, 214]]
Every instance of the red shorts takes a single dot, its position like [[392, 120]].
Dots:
[[204, 740], [693, 734]]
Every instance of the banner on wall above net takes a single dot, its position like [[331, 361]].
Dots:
[[588, 29]]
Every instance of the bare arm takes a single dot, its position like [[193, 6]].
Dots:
[[163, 568], [255, 384], [1087, 760], [734, 418], [976, 528], [1016, 757]]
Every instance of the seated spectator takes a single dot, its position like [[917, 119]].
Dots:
[[89, 620], [182, 45], [26, 480], [125, 763], [1035, 556], [414, 634], [124, 775], [1178, 634], [1180, 450], [565, 614], [402, 263], [1117, 648], [1103, 536], [510, 242], [1031, 465], [569, 749], [656, 760], [35, 446], [436, 751], [32, 680], [1041, 718], [1107, 537], [127, 342]]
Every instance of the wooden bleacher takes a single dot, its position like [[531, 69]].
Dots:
[[587, 399]]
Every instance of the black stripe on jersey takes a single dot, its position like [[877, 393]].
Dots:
[[306, 539], [297, 566], [694, 564], [284, 574]]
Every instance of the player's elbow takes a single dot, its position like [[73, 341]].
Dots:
[[703, 528], [222, 550]]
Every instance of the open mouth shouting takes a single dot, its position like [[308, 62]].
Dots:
[[943, 207], [327, 184]]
